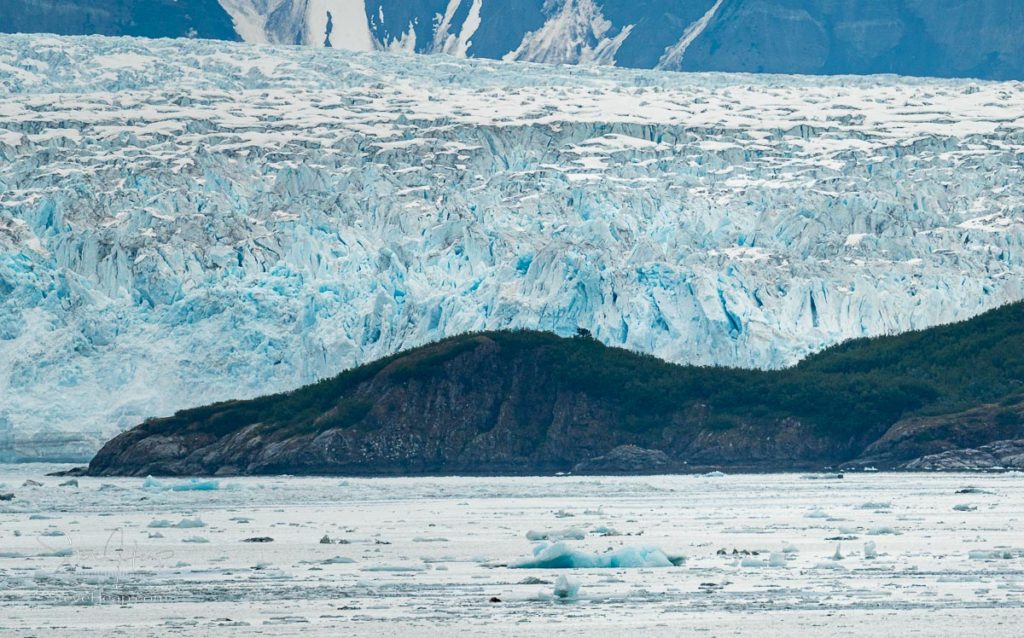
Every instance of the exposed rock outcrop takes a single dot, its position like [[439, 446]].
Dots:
[[626, 459], [998, 456]]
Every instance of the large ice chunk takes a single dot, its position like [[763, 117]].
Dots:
[[562, 556]]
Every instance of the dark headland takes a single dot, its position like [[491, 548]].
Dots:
[[520, 403]]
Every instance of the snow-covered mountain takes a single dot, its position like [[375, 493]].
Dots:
[[946, 38], [188, 221]]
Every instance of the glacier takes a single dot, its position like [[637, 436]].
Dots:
[[185, 221]]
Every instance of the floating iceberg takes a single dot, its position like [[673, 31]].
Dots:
[[185, 523], [566, 587], [569, 534], [876, 505], [394, 568], [561, 556], [193, 485], [995, 554]]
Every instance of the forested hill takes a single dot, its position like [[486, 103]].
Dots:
[[530, 402]]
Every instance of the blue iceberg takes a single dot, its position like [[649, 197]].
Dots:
[[561, 556]]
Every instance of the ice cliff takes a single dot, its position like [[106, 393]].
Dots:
[[187, 221]]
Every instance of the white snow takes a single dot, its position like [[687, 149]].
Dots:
[[672, 59], [576, 32]]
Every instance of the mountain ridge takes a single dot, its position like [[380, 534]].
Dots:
[[946, 38]]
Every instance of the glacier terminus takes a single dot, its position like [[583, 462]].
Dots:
[[190, 221]]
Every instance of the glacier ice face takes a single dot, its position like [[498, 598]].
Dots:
[[190, 221]]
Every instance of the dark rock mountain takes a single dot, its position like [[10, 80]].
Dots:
[[528, 403], [145, 18], [947, 38]]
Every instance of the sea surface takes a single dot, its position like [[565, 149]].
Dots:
[[765, 555]]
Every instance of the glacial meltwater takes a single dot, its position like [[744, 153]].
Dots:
[[761, 555]]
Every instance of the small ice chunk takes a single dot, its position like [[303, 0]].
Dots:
[[566, 587], [883, 531], [568, 534], [195, 485], [715, 474], [185, 523], [839, 552], [965, 507], [394, 568], [338, 560], [816, 513], [970, 489], [753, 562], [152, 484], [870, 550], [195, 539], [991, 554], [876, 505], [777, 559], [58, 553]]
